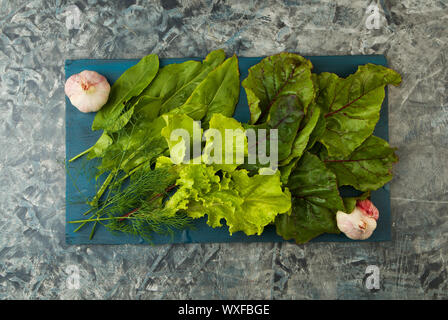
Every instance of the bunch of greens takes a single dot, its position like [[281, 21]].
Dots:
[[325, 125], [325, 128]]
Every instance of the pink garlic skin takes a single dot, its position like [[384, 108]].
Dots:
[[88, 91], [360, 224], [368, 208]]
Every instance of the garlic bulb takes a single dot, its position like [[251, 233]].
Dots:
[[360, 224], [88, 91]]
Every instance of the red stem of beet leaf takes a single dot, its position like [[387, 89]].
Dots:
[[158, 195]]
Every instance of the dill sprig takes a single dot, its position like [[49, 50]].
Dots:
[[136, 206], [149, 219]]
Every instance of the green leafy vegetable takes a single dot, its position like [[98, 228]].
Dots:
[[217, 93], [280, 75], [247, 204], [176, 82], [313, 181], [100, 146], [141, 200], [263, 201], [315, 201], [301, 140], [285, 115], [134, 145], [324, 125], [181, 147], [216, 151], [131, 83], [367, 168], [351, 106]]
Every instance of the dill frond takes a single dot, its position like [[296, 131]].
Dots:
[[136, 206], [148, 220]]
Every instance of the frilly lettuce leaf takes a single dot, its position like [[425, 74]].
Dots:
[[263, 201], [215, 151], [180, 148], [195, 181], [246, 203]]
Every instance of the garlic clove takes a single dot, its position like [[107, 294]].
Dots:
[[88, 91], [360, 224], [368, 208]]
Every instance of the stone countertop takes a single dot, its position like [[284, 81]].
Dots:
[[37, 36]]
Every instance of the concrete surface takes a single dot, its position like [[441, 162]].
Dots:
[[37, 36]]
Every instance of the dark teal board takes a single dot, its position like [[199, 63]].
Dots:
[[79, 137]]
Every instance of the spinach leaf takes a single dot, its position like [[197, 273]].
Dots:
[[100, 146], [131, 83], [217, 93], [285, 115], [175, 83], [303, 136], [315, 202], [351, 106], [367, 168], [276, 76]]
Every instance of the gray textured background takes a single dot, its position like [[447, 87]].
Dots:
[[35, 41]]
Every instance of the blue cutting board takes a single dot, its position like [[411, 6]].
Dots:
[[80, 182]]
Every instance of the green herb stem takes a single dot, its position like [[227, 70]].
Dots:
[[121, 180], [93, 230], [103, 188], [81, 154], [99, 219]]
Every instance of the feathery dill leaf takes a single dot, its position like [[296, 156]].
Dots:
[[135, 206]]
